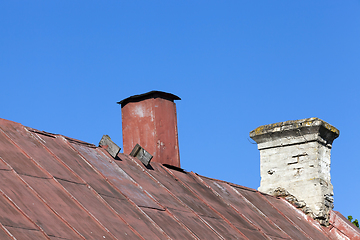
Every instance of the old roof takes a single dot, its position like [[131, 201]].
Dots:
[[55, 187]]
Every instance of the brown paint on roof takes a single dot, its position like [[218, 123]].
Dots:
[[54, 187]]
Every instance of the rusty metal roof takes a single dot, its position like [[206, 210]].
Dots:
[[54, 187]]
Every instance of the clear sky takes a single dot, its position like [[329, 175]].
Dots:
[[235, 64]]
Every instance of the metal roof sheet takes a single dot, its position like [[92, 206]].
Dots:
[[55, 187]]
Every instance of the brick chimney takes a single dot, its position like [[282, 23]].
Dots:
[[295, 162], [150, 120]]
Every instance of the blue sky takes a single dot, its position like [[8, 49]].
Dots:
[[235, 64]]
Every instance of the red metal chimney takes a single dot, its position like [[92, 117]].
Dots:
[[150, 120]]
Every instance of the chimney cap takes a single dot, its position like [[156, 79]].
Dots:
[[292, 125], [151, 94]]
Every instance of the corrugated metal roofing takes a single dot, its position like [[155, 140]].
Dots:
[[54, 187]]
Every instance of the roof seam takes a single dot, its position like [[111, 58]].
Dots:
[[50, 235], [32, 229], [66, 180], [48, 205], [46, 172], [6, 170], [329, 230], [258, 210], [7, 231], [231, 184], [106, 195], [41, 141], [133, 203], [85, 183], [23, 152], [179, 200], [72, 140], [31, 159], [320, 228], [229, 204], [98, 194], [288, 219], [41, 132], [29, 175], [184, 204], [341, 230], [197, 196], [87, 211], [19, 209], [164, 209]]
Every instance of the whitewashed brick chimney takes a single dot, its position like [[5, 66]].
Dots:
[[295, 158]]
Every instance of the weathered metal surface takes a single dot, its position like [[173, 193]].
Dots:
[[53, 187], [33, 147], [184, 194], [172, 228], [100, 209], [61, 202], [136, 218], [196, 205], [340, 227], [10, 216], [55, 238], [195, 224], [118, 178], [307, 224], [130, 188], [109, 146], [30, 234], [5, 234], [14, 156], [150, 120], [223, 212], [33, 207], [151, 183], [78, 166], [260, 203], [3, 165], [230, 196]]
